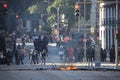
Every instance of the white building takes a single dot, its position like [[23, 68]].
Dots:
[[107, 22]]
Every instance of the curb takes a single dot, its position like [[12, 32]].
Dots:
[[58, 68]]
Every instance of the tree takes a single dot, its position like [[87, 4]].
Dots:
[[40, 7], [67, 7]]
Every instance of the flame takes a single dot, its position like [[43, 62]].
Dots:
[[71, 67]]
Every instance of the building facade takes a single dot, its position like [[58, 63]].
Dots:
[[107, 22]]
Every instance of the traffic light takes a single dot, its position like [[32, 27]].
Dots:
[[117, 34], [77, 12], [3, 7], [77, 8], [17, 16]]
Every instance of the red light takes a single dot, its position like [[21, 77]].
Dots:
[[17, 16], [77, 6], [117, 32], [5, 5]]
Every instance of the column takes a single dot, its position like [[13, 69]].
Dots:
[[104, 29], [111, 29], [108, 28]]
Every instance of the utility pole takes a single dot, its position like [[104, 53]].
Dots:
[[58, 18], [58, 21], [79, 17], [85, 31], [116, 40]]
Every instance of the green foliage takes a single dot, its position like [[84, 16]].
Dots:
[[67, 7], [50, 7], [47, 29], [33, 9]]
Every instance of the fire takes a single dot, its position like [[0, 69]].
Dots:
[[71, 67]]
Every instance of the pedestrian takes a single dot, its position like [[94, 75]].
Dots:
[[71, 54], [44, 55], [8, 57], [104, 55], [33, 59], [18, 46], [101, 54], [45, 43], [61, 52], [23, 42], [50, 38], [23, 52], [20, 56], [81, 55], [66, 53], [16, 57], [88, 54], [92, 54], [30, 53], [112, 54]]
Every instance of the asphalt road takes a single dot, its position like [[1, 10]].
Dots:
[[53, 56], [54, 74], [59, 75]]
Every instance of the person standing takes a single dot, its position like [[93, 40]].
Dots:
[[88, 54], [112, 54], [71, 54], [20, 56], [61, 52], [45, 43], [81, 54], [33, 57], [105, 55], [8, 57], [16, 57], [44, 54], [30, 53]]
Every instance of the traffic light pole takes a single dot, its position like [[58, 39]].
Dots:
[[58, 18], [58, 21], [116, 40], [79, 17], [85, 47]]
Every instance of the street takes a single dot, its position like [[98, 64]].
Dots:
[[29, 71], [53, 56], [60, 40], [59, 75]]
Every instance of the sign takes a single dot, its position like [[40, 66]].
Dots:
[[92, 30]]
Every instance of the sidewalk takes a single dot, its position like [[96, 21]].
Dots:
[[51, 66]]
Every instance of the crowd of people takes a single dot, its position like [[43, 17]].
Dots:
[[36, 54], [75, 53], [69, 52]]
